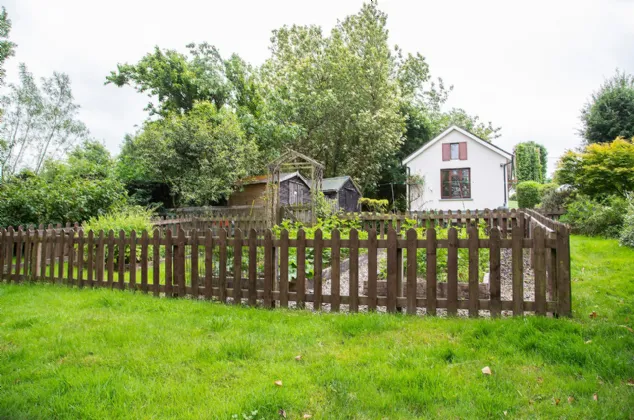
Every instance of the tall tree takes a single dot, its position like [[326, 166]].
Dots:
[[531, 160], [200, 155], [610, 111]]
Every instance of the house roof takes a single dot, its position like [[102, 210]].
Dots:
[[263, 179], [472, 136], [336, 183]]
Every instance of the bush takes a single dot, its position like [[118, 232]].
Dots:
[[528, 194], [552, 198], [596, 218], [370, 204], [513, 197], [627, 234]]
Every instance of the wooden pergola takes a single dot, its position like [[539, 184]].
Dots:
[[292, 161]]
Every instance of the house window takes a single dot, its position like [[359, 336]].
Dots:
[[455, 183], [455, 151]]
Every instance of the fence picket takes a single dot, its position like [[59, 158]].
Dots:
[[268, 268], [3, 251], [494, 272], [80, 259], [391, 270], [452, 272], [222, 265], [237, 267], [412, 266], [132, 264], [156, 262], [18, 255], [540, 270], [353, 274], [71, 258], [372, 270], [517, 254], [144, 260], [301, 268], [317, 268], [335, 271], [110, 264], [431, 271], [169, 261], [474, 273], [179, 263], [90, 259], [284, 268], [253, 267], [121, 260], [99, 259]]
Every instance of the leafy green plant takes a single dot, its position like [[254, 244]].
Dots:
[[374, 205], [627, 234], [596, 218], [528, 194]]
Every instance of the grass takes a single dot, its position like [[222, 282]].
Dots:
[[70, 353]]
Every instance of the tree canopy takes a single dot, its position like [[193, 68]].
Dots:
[[610, 111]]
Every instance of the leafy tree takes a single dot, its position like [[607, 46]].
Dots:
[[610, 112], [531, 160], [7, 48], [66, 191], [177, 80], [200, 155], [600, 169], [41, 122]]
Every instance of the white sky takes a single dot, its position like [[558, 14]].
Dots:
[[528, 69]]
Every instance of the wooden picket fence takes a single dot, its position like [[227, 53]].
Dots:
[[198, 264]]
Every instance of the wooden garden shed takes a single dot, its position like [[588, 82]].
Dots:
[[344, 191], [294, 190]]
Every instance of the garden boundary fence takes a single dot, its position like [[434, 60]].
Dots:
[[203, 265]]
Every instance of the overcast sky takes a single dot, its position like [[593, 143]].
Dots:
[[527, 69]]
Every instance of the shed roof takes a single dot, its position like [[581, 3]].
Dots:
[[336, 183]]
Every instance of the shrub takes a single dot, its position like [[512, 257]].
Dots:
[[552, 198], [371, 204], [596, 218], [627, 234], [528, 194], [513, 197]]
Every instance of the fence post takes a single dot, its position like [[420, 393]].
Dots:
[[100, 259], [253, 265], [563, 271], [517, 254], [222, 265], [540, 270], [144, 260], [18, 255], [3, 251], [168, 263], [121, 261], [209, 271], [284, 268], [372, 269], [237, 267]]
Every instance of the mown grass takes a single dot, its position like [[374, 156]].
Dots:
[[70, 353]]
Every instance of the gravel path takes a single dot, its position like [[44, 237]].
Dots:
[[506, 286]]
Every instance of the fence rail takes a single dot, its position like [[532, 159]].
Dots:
[[273, 271]]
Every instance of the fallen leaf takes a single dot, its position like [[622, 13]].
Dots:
[[557, 401], [570, 400], [307, 416], [540, 380], [486, 370], [630, 382], [593, 314], [589, 341], [282, 413], [627, 328], [505, 412], [298, 357], [278, 383], [595, 397]]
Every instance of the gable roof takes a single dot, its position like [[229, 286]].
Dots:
[[263, 179], [472, 136], [336, 183]]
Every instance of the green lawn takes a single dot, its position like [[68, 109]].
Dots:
[[69, 353]]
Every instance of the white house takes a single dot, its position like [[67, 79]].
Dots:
[[460, 171]]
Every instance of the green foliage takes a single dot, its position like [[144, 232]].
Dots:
[[600, 170], [610, 112], [373, 205], [126, 218], [596, 218], [323, 207], [73, 191], [7, 48], [552, 198], [200, 155], [627, 234], [531, 160], [528, 194]]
